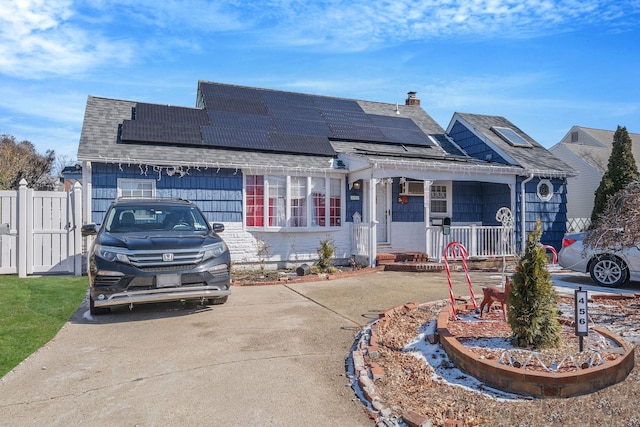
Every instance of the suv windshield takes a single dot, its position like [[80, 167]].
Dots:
[[128, 218]]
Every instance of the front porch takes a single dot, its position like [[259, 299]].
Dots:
[[489, 244]]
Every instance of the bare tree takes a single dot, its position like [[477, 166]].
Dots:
[[20, 160], [619, 225]]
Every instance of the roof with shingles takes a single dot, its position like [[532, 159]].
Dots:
[[99, 142], [594, 146], [262, 129], [532, 158], [242, 126]]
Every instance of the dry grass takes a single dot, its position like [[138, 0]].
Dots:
[[407, 384]]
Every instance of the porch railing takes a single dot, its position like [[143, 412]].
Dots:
[[480, 241], [360, 239]]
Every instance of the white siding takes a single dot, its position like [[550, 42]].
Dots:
[[581, 188], [288, 250]]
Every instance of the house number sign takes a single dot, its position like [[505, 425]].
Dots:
[[581, 315]]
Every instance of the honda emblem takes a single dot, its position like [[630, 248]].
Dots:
[[167, 257]]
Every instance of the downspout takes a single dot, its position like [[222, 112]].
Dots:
[[523, 213]]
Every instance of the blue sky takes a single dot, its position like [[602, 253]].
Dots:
[[545, 65]]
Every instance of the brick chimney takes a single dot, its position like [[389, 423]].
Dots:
[[411, 99]]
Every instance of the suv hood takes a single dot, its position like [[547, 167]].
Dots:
[[151, 241]]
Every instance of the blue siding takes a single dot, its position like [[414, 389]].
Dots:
[[478, 202], [353, 206], [412, 211], [218, 193], [553, 213], [473, 145]]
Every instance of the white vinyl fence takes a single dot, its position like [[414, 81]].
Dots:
[[40, 231]]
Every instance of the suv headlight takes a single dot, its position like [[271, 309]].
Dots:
[[213, 251], [111, 254]]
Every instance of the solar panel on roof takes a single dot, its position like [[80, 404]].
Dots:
[[226, 137], [237, 106], [172, 133], [295, 112], [301, 127], [447, 145], [212, 90], [405, 136], [232, 119], [260, 119], [324, 103], [393, 122], [286, 98], [362, 133], [167, 113], [304, 144]]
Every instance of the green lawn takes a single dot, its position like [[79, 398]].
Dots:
[[32, 311]]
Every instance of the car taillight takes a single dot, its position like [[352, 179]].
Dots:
[[567, 242]]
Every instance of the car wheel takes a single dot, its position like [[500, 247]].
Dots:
[[218, 301], [609, 271], [97, 310]]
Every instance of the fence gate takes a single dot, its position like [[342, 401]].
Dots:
[[40, 231]]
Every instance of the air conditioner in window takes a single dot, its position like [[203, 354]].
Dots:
[[412, 188]]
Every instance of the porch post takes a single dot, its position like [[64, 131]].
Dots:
[[373, 221], [87, 187], [427, 218]]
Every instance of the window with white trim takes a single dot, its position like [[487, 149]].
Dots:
[[440, 199], [136, 187], [293, 201], [545, 190]]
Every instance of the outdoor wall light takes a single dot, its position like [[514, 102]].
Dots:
[[356, 185]]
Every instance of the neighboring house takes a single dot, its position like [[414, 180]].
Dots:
[[70, 175], [284, 171], [587, 151]]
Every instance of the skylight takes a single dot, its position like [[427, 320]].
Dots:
[[511, 136]]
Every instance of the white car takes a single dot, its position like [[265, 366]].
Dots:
[[610, 268]]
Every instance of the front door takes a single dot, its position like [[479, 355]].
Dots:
[[383, 212]]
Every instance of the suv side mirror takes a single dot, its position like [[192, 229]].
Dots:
[[89, 230], [218, 227]]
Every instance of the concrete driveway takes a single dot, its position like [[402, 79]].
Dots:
[[271, 356]]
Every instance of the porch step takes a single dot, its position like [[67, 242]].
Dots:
[[390, 257], [407, 261]]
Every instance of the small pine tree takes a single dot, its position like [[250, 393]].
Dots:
[[532, 312], [621, 171], [325, 253]]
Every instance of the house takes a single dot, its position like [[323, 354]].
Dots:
[[284, 171], [587, 151]]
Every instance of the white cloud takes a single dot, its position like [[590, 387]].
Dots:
[[359, 24], [38, 39]]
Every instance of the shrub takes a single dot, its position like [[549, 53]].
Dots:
[[325, 252], [532, 312]]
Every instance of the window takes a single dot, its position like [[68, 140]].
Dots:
[[440, 199], [511, 136], [255, 200], [335, 206], [545, 190], [319, 213], [136, 187], [296, 202], [277, 201]]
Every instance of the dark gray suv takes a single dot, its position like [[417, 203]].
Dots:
[[155, 250]]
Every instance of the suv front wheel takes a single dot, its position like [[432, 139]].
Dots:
[[96, 311]]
